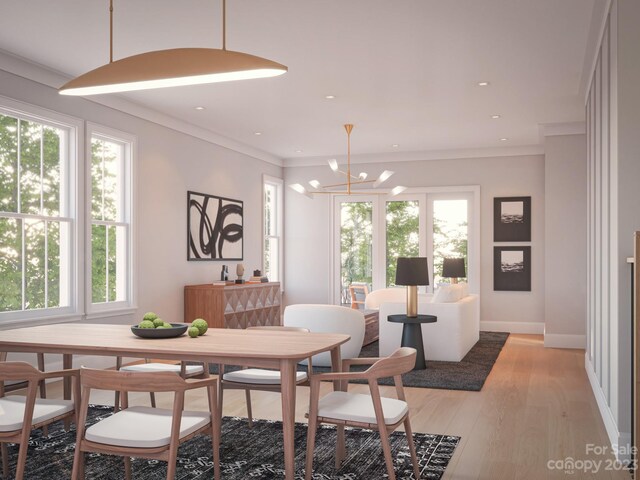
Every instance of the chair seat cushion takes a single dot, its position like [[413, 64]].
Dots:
[[162, 367], [259, 376], [12, 411], [143, 427], [357, 407]]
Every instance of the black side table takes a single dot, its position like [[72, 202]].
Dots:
[[412, 334]]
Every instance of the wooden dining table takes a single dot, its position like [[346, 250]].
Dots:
[[254, 348]]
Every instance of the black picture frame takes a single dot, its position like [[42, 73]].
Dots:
[[512, 219], [214, 227], [512, 269]]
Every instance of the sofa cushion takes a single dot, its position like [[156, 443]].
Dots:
[[448, 294]]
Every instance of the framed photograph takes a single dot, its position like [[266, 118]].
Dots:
[[512, 269], [512, 219], [214, 227]]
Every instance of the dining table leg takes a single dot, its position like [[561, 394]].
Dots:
[[336, 366], [67, 364], [288, 385]]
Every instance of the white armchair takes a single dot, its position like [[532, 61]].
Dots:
[[385, 295], [328, 319]]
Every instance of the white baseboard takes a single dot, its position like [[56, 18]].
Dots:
[[619, 440], [513, 327], [555, 340]]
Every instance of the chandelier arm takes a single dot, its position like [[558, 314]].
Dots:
[[349, 183], [344, 192], [224, 24], [110, 31]]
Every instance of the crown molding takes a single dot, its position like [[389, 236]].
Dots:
[[51, 78], [565, 128], [428, 155]]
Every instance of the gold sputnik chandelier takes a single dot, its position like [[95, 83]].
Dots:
[[345, 188], [171, 68]]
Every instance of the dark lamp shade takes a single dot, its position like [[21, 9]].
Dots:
[[412, 271], [453, 268]]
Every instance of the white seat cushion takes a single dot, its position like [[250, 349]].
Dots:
[[259, 376], [143, 427], [359, 408], [162, 367], [12, 411]]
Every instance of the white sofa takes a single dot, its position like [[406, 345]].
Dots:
[[449, 339]]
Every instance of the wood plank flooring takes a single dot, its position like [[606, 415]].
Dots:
[[536, 406]]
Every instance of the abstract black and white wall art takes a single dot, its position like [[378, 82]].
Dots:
[[214, 227], [512, 219], [512, 269]]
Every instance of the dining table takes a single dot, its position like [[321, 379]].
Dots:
[[280, 350]]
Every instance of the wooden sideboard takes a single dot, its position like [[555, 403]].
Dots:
[[233, 305]]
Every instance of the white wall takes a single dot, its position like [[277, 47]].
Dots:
[[565, 241], [613, 115], [168, 164], [307, 262]]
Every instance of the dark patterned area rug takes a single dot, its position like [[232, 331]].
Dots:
[[245, 453], [468, 374]]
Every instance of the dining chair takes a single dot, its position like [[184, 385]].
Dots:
[[320, 318], [185, 371], [20, 414], [146, 432], [248, 379], [372, 411]]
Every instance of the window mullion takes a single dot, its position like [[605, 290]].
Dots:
[[19, 167], [41, 169], [106, 263], [24, 263], [46, 264]]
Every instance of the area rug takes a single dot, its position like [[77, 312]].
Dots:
[[468, 374], [245, 453]]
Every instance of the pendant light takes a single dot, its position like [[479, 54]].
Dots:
[[171, 68]]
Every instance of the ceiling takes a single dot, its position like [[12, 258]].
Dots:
[[405, 72]]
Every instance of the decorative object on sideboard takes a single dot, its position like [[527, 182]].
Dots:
[[214, 227], [171, 68], [240, 273], [512, 219], [344, 188], [258, 277], [512, 269], [412, 271], [224, 274], [454, 269]]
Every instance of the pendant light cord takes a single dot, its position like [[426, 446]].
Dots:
[[224, 24], [110, 31]]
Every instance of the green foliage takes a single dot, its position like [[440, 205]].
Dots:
[[402, 234], [356, 239]]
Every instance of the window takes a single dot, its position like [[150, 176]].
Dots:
[[272, 265], [37, 166], [109, 242], [371, 232]]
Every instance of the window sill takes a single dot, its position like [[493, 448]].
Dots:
[[33, 322], [116, 312]]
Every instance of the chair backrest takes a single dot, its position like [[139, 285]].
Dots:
[[328, 319], [384, 295], [122, 381], [19, 371], [399, 362]]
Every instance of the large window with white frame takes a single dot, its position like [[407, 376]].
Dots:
[[371, 232], [110, 237], [37, 212], [272, 261]]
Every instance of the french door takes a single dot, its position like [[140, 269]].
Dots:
[[371, 232]]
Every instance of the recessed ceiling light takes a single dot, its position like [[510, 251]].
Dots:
[[504, 139], [495, 117], [329, 97], [395, 145], [298, 151], [483, 84], [257, 133], [199, 108]]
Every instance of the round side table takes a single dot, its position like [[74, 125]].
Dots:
[[412, 334]]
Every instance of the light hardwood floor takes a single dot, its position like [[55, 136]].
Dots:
[[536, 406]]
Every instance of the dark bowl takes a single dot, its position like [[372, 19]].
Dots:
[[176, 330]]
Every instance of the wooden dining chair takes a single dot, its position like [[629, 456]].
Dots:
[[248, 379], [185, 371], [146, 432], [21, 414], [342, 408]]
